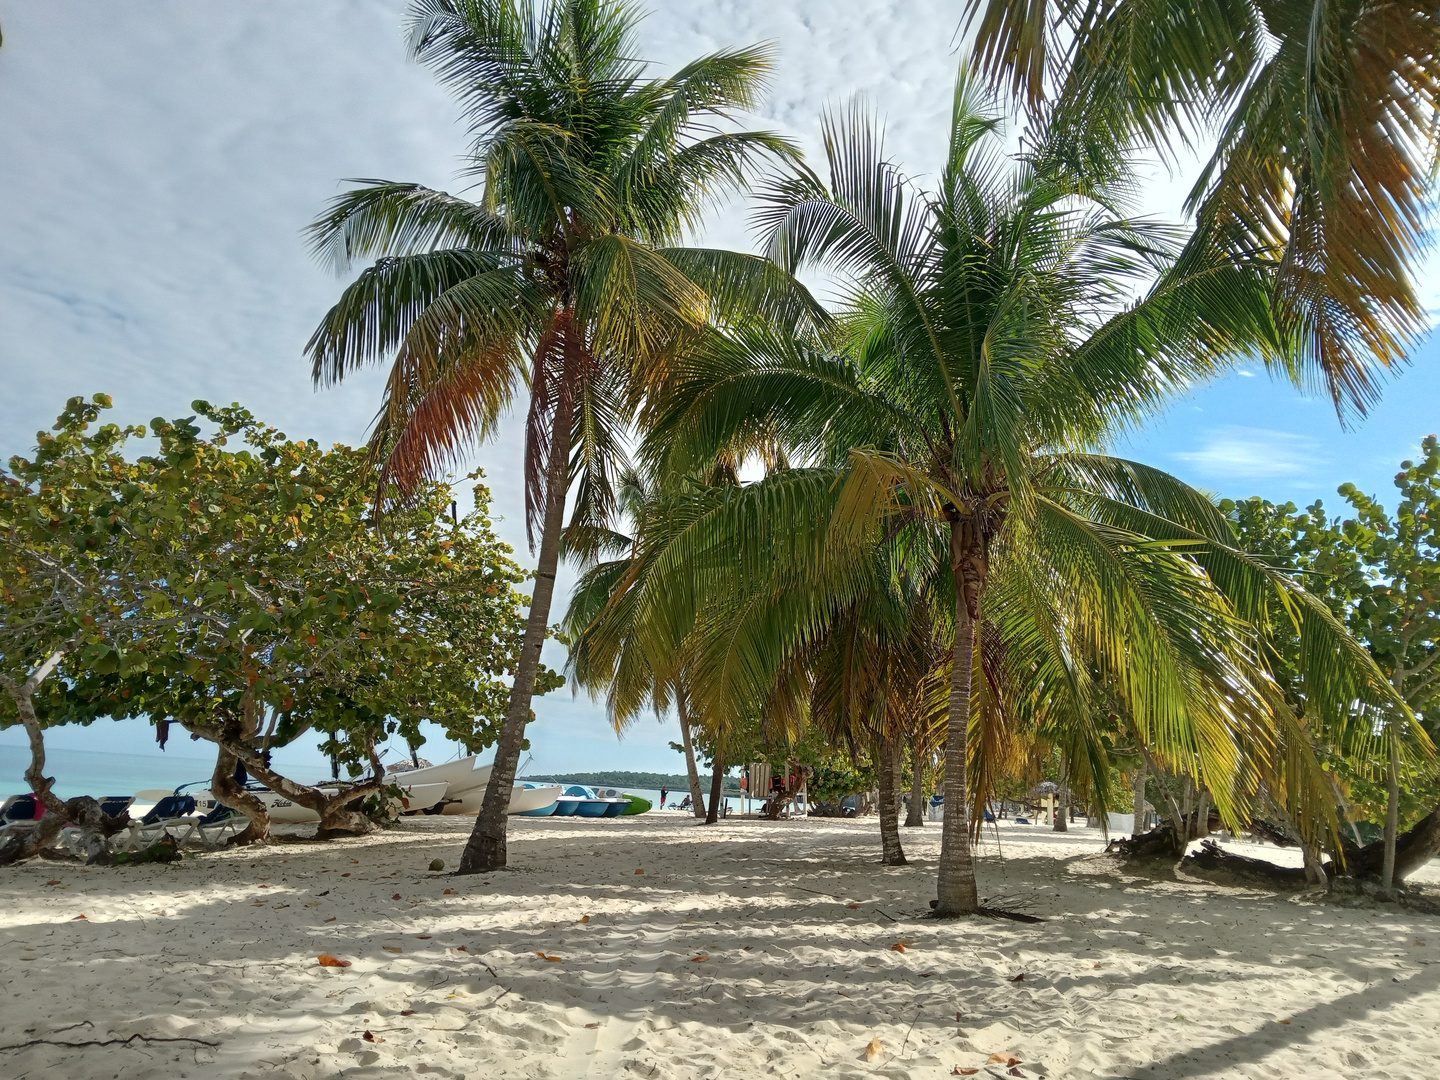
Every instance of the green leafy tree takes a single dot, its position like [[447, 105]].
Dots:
[[247, 595], [1380, 572], [564, 276]]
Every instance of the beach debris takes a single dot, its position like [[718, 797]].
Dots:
[[325, 893], [1018, 978], [346, 874], [392, 948], [874, 1049], [332, 918], [596, 1024], [423, 937], [462, 948], [639, 871], [56, 881], [699, 958], [1282, 1021], [395, 897], [964, 1070], [370, 1036], [326, 960], [445, 892], [80, 916], [551, 959], [853, 907], [437, 864], [902, 944], [584, 918], [407, 1012], [1003, 1059]]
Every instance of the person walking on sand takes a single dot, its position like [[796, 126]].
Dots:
[[664, 791]]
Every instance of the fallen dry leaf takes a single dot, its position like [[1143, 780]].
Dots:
[[462, 948], [639, 871], [332, 918], [370, 1036], [1282, 1021], [594, 1025], [927, 975], [958, 1016], [853, 907], [423, 937], [325, 893], [899, 946], [392, 948], [80, 916], [1097, 965], [344, 875], [964, 1070], [407, 1012], [56, 881], [584, 918], [552, 959], [395, 897], [447, 892], [326, 960], [699, 958], [874, 1050], [1004, 1059], [1018, 978], [264, 886]]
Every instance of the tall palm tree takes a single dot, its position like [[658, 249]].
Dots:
[[987, 344], [563, 276], [1324, 122]]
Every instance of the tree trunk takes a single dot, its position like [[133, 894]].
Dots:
[[1392, 815], [956, 890], [485, 850], [916, 817], [717, 785], [891, 751], [24, 697], [1413, 849], [1062, 800], [1139, 789], [1201, 827], [697, 796], [224, 787]]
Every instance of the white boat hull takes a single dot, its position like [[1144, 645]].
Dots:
[[283, 811], [467, 804], [460, 775]]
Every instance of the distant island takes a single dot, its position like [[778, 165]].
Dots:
[[650, 781]]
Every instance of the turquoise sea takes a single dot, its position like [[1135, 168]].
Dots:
[[89, 772]]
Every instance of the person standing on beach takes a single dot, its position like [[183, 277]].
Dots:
[[664, 791]]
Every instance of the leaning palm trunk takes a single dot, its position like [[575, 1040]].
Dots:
[[697, 796], [891, 751], [1392, 815], [916, 816], [485, 850], [956, 892], [717, 783]]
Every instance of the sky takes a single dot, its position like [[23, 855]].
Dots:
[[160, 160]]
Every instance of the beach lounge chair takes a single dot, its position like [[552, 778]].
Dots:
[[171, 812], [220, 821]]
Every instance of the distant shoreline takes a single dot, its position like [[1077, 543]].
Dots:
[[649, 781]]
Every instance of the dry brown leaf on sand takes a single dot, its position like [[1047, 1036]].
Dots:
[[1004, 1059], [594, 1025], [395, 897], [639, 871], [466, 948], [964, 1070], [699, 958], [407, 1012], [80, 916], [326, 960], [874, 1050], [853, 907], [370, 1036], [447, 892], [902, 945], [584, 918], [332, 918], [56, 881], [392, 948], [1018, 978]]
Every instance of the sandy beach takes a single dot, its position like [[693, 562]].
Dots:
[[745, 949]]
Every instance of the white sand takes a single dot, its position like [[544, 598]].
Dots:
[[1125, 978]]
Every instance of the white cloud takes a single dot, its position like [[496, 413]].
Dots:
[[1244, 453]]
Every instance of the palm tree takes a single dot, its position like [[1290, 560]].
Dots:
[[987, 343], [563, 276], [1324, 120]]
